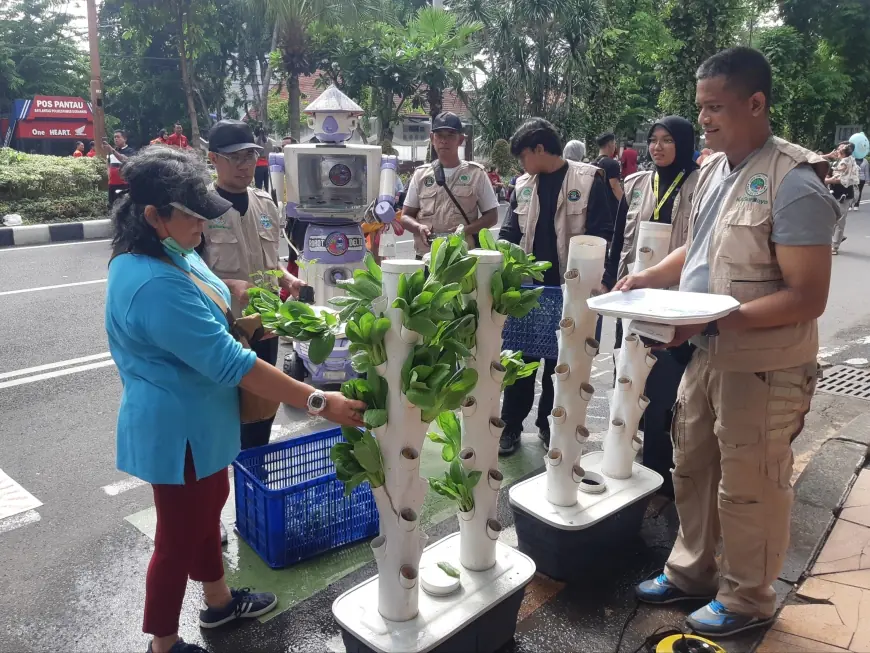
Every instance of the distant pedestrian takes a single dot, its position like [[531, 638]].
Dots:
[[161, 138], [92, 150], [177, 138], [574, 151], [607, 162], [628, 160], [118, 155], [863, 176], [80, 150], [261, 172]]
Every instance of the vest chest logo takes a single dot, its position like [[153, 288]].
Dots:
[[463, 179], [573, 195], [218, 223], [525, 195], [428, 182], [636, 197], [756, 186], [266, 221]]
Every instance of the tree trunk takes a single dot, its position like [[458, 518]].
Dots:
[[293, 113], [188, 87], [266, 82], [435, 99]]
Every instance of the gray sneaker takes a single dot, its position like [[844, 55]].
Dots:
[[660, 591], [715, 620]]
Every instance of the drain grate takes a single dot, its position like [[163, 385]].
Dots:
[[846, 382]]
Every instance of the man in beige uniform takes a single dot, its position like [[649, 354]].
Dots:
[[759, 231], [246, 239], [429, 210]]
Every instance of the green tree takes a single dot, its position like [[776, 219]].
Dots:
[[39, 53]]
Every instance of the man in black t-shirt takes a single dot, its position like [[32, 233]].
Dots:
[[539, 148], [607, 162]]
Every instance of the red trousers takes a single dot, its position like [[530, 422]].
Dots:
[[187, 544]]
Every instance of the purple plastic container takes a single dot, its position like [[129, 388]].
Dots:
[[336, 368]]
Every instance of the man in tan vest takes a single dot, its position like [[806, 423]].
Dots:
[[429, 209], [246, 239], [760, 231], [552, 202]]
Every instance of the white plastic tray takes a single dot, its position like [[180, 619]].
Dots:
[[664, 306]]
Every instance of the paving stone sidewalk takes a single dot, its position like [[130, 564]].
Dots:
[[830, 609]]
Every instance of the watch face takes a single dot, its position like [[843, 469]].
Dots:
[[317, 401]]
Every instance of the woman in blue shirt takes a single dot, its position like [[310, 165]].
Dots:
[[179, 423]]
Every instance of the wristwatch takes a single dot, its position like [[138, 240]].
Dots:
[[316, 402]]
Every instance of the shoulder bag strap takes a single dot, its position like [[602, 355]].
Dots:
[[441, 180], [209, 292]]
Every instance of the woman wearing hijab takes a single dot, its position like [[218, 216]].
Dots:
[[661, 195]]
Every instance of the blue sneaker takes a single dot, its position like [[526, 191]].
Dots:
[[245, 605], [181, 647], [717, 620], [660, 590]]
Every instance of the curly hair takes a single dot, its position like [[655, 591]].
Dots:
[[156, 177]]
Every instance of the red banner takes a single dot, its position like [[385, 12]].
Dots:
[[69, 129], [49, 106]]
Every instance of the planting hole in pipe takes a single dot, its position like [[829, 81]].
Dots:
[[409, 457], [467, 458], [469, 405], [558, 414], [618, 425], [554, 457], [407, 576], [650, 360], [494, 478], [567, 325], [408, 519], [623, 383], [497, 370], [586, 391], [592, 483], [378, 546], [496, 426], [643, 402], [636, 443], [493, 529], [631, 338], [572, 275], [562, 371], [581, 434], [577, 472], [645, 253], [591, 345]]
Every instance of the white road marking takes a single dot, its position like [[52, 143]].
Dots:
[[56, 373], [78, 242], [54, 366], [62, 285], [602, 373], [14, 499], [11, 523], [857, 361], [129, 483]]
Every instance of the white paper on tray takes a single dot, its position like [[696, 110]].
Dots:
[[664, 306]]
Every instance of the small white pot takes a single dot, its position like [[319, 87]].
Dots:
[[566, 326], [469, 405], [466, 516], [591, 345], [581, 434], [553, 458], [559, 414], [493, 529], [586, 391], [577, 472], [562, 371], [494, 479]]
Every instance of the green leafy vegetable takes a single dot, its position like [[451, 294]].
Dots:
[[457, 484], [449, 569], [372, 391], [450, 437], [362, 290], [508, 296], [358, 459], [515, 367]]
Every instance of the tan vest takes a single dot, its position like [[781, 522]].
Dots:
[[743, 261], [639, 194], [239, 245], [570, 208], [437, 210]]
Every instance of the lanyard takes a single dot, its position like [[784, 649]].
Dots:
[[667, 194]]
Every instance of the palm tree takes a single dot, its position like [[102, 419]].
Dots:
[[292, 18]]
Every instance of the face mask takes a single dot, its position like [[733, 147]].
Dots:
[[172, 245]]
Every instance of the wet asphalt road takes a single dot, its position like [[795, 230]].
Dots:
[[73, 569]]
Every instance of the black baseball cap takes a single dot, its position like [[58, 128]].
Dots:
[[173, 187], [228, 136], [447, 120]]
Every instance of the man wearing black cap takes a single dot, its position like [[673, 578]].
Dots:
[[246, 239], [448, 193]]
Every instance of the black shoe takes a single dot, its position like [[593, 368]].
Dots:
[[544, 437], [245, 605], [509, 442], [181, 647]]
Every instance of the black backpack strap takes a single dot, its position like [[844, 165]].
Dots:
[[441, 180]]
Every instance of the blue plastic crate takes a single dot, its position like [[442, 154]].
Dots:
[[535, 334], [289, 504]]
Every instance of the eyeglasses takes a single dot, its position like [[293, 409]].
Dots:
[[241, 158]]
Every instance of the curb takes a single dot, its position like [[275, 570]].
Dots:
[[40, 234]]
